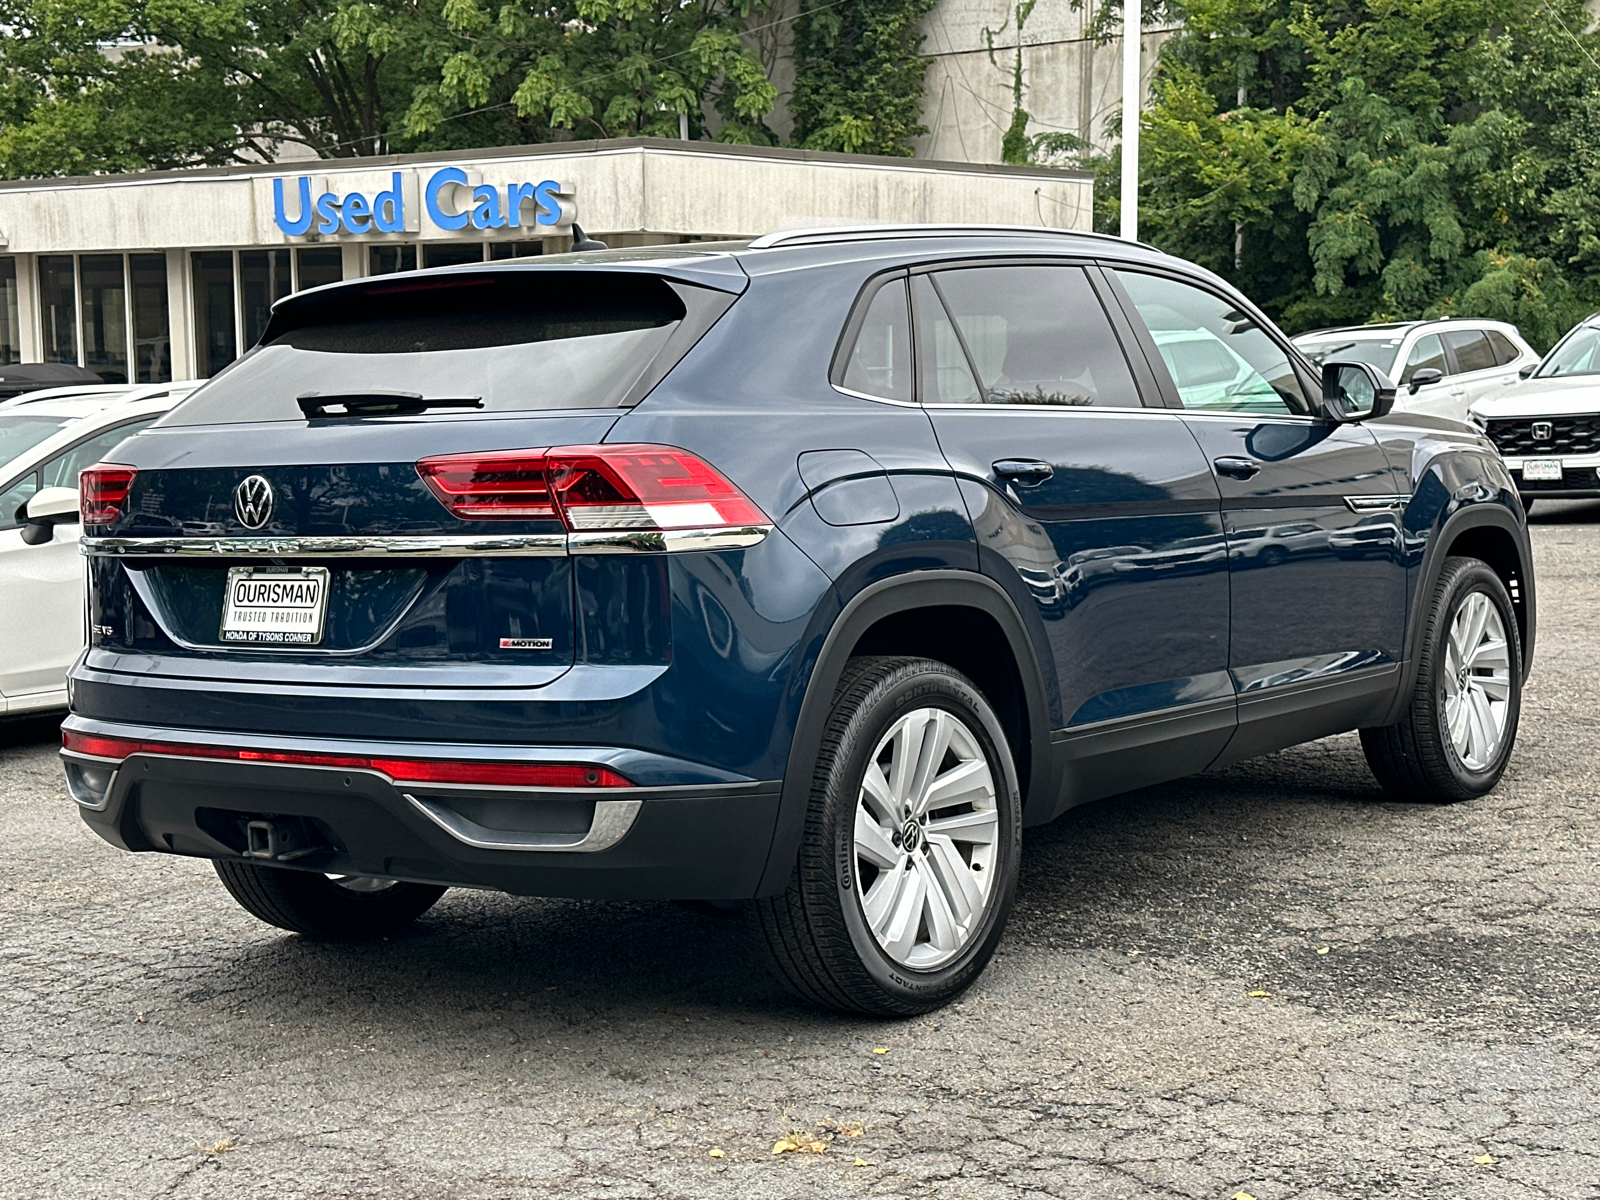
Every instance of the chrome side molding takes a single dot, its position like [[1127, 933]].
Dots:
[[1373, 504], [612, 821], [465, 546]]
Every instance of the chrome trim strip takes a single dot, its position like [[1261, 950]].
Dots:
[[642, 541], [1372, 504], [111, 785], [612, 821], [530, 545], [497, 545]]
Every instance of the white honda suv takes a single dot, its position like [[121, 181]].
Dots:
[[1548, 426], [1443, 367]]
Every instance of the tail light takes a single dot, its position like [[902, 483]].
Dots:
[[401, 770], [622, 487], [101, 489]]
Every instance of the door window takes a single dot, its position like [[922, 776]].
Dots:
[[1472, 350], [1427, 354], [1032, 335], [880, 360], [1505, 350], [1220, 359]]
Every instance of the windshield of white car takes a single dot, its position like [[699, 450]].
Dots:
[[19, 434], [1576, 354], [1380, 352]]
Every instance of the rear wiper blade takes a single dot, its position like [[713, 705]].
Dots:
[[377, 402]]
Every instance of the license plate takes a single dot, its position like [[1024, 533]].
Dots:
[[1541, 468], [275, 607]]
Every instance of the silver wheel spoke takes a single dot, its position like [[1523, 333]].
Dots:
[[954, 878], [904, 920], [958, 785], [945, 930], [981, 825], [872, 843], [1490, 653]]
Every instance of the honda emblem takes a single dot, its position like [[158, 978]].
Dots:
[[1543, 431]]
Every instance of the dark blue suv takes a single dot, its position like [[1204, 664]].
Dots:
[[803, 574]]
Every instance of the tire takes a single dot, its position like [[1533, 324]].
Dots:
[[915, 952], [307, 903], [1419, 758]]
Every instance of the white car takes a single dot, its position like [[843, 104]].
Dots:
[[1442, 367], [44, 443], [1548, 426]]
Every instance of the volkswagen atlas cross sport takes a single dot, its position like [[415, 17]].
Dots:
[[804, 573]]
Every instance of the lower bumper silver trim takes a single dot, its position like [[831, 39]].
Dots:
[[612, 821]]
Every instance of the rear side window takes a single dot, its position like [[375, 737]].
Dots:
[[515, 341], [880, 361], [1505, 350], [1472, 350], [1033, 335], [1427, 354]]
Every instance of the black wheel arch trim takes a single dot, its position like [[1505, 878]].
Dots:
[[1479, 515], [901, 593]]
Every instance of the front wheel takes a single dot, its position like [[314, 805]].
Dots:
[[908, 867], [1456, 736], [329, 908]]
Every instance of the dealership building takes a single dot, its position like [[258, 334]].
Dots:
[[165, 275]]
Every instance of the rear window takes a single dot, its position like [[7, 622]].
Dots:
[[516, 341]]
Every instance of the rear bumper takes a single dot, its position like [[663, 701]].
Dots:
[[703, 840]]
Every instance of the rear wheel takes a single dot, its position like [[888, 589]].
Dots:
[[908, 866], [1456, 736], [327, 907]]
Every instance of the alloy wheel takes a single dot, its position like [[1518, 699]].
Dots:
[[1477, 682], [926, 832]]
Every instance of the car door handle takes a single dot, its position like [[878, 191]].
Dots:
[[1029, 472], [1237, 468]]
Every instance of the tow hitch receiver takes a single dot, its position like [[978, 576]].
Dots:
[[282, 840]]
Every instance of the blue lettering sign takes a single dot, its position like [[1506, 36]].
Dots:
[[386, 211], [298, 226], [442, 179]]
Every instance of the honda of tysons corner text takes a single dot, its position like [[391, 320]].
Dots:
[[802, 574]]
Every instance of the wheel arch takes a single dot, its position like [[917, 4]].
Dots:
[[1492, 534], [956, 617]]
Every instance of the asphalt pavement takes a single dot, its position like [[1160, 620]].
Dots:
[[1270, 982]]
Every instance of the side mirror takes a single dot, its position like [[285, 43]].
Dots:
[[1527, 371], [1355, 392], [1422, 377], [48, 508]]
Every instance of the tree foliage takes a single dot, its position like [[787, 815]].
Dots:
[[858, 76], [1378, 159]]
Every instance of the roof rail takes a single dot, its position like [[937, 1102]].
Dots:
[[867, 233]]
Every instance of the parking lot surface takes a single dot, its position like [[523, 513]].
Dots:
[[1270, 980]]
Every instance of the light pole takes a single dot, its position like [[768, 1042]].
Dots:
[[1131, 22]]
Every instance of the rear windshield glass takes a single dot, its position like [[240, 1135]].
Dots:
[[515, 341], [20, 434], [1379, 351]]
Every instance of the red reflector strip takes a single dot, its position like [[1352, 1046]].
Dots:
[[401, 770]]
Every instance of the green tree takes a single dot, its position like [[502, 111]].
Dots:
[[599, 68], [858, 76], [1369, 159]]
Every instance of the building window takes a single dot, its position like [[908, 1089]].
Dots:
[[10, 329], [263, 280], [58, 308], [318, 265], [152, 326], [216, 342], [234, 291], [105, 316], [451, 254], [386, 260], [499, 251]]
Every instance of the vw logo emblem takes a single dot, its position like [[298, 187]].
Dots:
[[252, 502], [1543, 431]]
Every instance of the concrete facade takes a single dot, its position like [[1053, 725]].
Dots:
[[1071, 83]]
